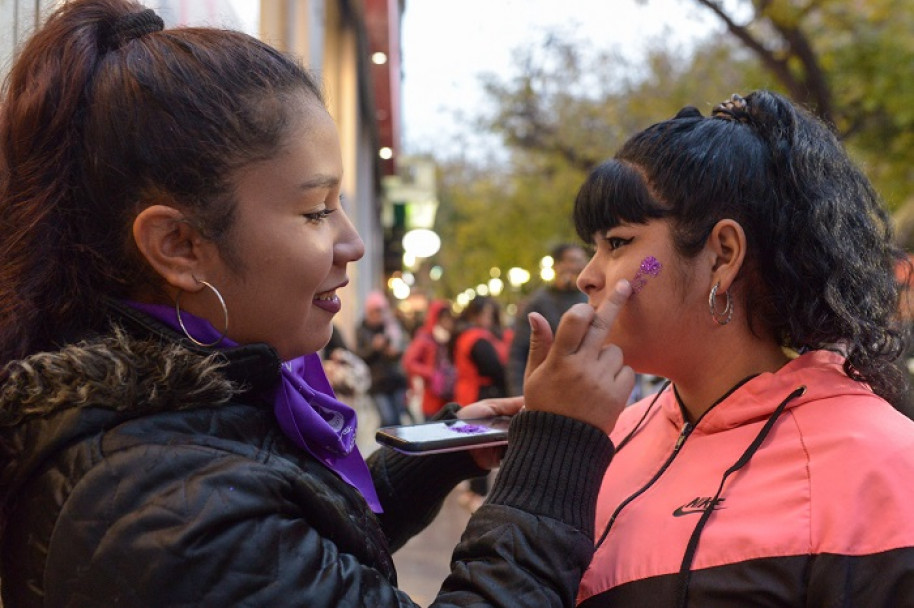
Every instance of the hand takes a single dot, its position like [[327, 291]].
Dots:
[[576, 374], [489, 458]]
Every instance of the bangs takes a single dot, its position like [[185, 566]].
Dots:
[[614, 193]]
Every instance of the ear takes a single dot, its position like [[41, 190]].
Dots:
[[727, 245], [175, 249]]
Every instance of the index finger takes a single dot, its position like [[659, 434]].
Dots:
[[606, 315]]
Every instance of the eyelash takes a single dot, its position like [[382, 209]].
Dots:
[[319, 216], [615, 242]]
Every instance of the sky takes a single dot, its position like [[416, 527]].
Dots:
[[446, 45]]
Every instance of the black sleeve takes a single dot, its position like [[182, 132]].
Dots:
[[485, 358], [530, 543]]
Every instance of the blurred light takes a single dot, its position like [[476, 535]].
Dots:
[[518, 276], [421, 242], [496, 286], [547, 274], [482, 289], [469, 293], [547, 262], [386, 153], [409, 260], [495, 271], [409, 279], [462, 300], [399, 288], [511, 309], [435, 273], [379, 58]]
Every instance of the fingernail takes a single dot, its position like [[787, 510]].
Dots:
[[532, 324]]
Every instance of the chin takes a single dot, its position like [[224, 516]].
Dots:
[[312, 342], [320, 338]]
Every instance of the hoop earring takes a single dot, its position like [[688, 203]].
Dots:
[[224, 312], [723, 317]]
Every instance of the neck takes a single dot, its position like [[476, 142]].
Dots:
[[726, 365]]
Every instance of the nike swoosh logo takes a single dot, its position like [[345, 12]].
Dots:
[[683, 511]]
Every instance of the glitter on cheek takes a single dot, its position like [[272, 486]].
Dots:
[[650, 267]]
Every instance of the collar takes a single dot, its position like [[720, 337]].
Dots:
[[253, 367], [821, 371]]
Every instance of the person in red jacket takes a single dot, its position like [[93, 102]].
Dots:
[[479, 356], [773, 469], [427, 358], [478, 353]]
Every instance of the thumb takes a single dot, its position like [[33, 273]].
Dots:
[[540, 342]]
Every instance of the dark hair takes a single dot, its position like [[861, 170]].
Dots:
[[558, 252], [476, 306], [820, 259], [92, 132]]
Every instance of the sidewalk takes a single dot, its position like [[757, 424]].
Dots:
[[424, 562]]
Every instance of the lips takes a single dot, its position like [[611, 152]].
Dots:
[[328, 300]]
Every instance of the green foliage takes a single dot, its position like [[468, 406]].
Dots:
[[563, 111], [850, 60], [558, 116]]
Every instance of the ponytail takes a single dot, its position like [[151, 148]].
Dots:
[[836, 274], [41, 119]]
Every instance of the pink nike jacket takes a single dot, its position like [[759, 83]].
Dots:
[[796, 489]]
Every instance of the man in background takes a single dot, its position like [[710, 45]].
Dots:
[[551, 301]]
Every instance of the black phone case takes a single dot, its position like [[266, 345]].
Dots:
[[445, 435]]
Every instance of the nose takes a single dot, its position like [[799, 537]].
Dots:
[[349, 246], [590, 280]]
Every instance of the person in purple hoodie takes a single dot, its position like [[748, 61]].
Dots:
[[171, 252]]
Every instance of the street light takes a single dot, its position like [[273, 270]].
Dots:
[[496, 285], [421, 243], [518, 276]]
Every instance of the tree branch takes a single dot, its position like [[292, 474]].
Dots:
[[775, 65]]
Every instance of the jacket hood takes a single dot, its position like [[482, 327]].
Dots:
[[49, 398], [821, 372], [433, 314]]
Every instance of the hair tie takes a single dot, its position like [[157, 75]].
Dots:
[[736, 108], [130, 26]]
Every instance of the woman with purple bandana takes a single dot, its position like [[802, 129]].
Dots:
[[172, 245]]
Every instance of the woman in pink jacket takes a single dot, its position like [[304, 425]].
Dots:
[[773, 469]]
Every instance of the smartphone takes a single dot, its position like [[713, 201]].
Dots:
[[445, 435]]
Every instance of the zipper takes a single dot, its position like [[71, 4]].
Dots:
[[683, 435]]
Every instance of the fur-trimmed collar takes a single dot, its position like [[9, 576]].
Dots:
[[137, 367], [116, 372]]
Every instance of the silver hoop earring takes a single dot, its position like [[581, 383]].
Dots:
[[723, 317], [224, 312]]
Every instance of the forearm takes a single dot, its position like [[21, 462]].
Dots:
[[413, 488], [530, 544]]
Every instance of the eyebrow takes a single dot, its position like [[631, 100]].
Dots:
[[320, 181]]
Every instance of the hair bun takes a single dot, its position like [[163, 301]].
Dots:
[[736, 108], [130, 26]]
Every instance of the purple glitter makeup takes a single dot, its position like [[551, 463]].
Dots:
[[469, 428], [650, 267]]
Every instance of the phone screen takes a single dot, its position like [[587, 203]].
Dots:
[[446, 435]]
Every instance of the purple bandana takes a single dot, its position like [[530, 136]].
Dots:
[[305, 406]]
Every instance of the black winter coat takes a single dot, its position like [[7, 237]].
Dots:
[[136, 471]]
